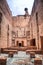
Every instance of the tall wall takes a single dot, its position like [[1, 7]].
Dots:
[[36, 22], [21, 29], [5, 25]]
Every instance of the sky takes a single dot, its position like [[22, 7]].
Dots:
[[17, 6]]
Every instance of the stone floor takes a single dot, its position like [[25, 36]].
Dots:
[[21, 59]]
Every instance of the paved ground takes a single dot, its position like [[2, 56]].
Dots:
[[20, 59]]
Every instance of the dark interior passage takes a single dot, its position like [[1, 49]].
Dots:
[[42, 42], [33, 43]]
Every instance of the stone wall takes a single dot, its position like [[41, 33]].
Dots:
[[6, 36], [36, 22], [21, 29]]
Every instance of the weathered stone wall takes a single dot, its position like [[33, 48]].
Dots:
[[20, 41], [21, 29], [5, 40], [36, 22]]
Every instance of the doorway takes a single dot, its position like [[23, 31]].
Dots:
[[42, 42], [20, 44], [33, 43]]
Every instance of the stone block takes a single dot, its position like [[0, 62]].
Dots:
[[2, 61], [37, 61], [10, 54], [32, 54]]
